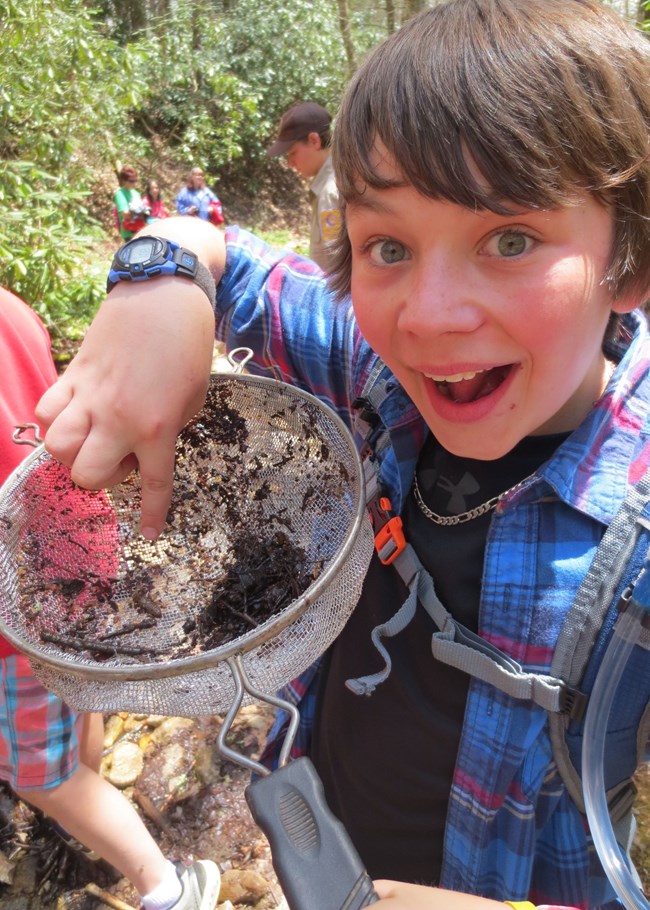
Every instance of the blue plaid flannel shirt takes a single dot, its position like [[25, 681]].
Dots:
[[512, 831]]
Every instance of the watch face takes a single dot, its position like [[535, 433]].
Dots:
[[143, 250]]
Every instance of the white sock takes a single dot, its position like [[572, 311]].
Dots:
[[165, 894]]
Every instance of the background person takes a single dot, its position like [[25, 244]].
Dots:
[[304, 138], [197, 199], [130, 211], [153, 200]]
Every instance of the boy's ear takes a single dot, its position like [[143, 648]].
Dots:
[[314, 140], [631, 300]]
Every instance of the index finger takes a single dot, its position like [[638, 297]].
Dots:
[[156, 463]]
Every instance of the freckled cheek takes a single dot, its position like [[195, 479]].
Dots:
[[372, 316]]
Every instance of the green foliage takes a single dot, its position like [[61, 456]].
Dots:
[[61, 83], [192, 101], [46, 234], [643, 16], [218, 83], [285, 53], [285, 240], [59, 90]]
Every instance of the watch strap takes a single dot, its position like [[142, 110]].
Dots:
[[205, 280], [200, 275]]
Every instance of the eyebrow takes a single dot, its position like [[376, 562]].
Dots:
[[370, 203]]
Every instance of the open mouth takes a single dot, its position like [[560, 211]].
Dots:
[[464, 388]]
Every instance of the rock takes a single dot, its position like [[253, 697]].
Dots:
[[112, 730], [155, 720], [6, 869], [127, 765], [168, 728], [168, 773], [243, 886]]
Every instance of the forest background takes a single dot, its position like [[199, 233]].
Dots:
[[87, 85]]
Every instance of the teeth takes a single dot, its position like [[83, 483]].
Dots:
[[457, 377]]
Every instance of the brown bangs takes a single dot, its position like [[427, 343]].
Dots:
[[489, 103]]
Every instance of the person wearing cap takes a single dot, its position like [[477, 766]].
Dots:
[[304, 138]]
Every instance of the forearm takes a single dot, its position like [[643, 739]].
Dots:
[[141, 372], [401, 896]]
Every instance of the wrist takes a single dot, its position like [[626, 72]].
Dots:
[[147, 257]]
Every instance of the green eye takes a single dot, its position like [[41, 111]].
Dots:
[[391, 251], [511, 244]]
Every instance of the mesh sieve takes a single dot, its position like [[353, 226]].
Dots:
[[264, 470]]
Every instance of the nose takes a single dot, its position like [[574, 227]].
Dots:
[[442, 296]]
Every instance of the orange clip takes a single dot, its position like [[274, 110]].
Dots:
[[389, 539]]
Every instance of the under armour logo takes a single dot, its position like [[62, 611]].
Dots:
[[466, 485]]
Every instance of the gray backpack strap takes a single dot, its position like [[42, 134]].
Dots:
[[458, 646], [453, 644], [367, 422], [596, 593], [582, 627]]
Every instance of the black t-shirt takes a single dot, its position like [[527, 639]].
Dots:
[[387, 761]]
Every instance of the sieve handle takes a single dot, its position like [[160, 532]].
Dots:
[[313, 856]]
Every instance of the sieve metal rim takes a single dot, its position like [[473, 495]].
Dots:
[[243, 643]]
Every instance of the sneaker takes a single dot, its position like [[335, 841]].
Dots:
[[74, 844], [201, 883]]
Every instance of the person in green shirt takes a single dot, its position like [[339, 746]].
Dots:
[[130, 210]]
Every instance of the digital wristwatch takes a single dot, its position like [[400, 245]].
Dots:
[[147, 257]]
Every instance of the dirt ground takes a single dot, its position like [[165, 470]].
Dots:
[[191, 800]]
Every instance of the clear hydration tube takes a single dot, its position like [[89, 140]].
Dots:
[[625, 635]]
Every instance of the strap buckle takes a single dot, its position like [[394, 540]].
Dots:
[[573, 702], [389, 536]]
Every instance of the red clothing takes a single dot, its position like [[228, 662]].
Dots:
[[157, 207], [27, 371]]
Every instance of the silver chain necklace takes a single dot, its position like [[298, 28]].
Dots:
[[463, 516], [491, 503]]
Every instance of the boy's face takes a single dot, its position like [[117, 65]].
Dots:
[[493, 324], [305, 156]]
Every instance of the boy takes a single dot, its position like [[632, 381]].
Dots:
[[493, 161], [48, 755], [305, 138]]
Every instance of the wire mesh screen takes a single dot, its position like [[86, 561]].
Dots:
[[265, 550]]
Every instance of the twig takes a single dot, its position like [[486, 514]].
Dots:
[[129, 627], [81, 644], [107, 898], [153, 812]]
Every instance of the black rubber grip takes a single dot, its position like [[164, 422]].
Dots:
[[313, 856]]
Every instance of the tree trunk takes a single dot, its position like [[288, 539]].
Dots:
[[411, 7], [390, 16], [346, 35]]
